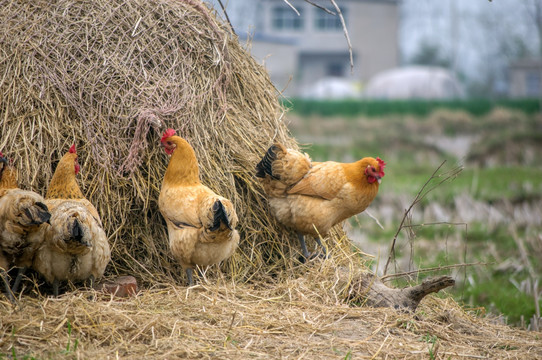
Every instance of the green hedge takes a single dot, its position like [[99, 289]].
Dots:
[[374, 108]]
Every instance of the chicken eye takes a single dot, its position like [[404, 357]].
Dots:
[[373, 169]]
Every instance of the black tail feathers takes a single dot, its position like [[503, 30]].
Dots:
[[265, 166], [220, 216], [36, 214], [43, 213], [77, 231]]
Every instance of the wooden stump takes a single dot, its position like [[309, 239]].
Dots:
[[367, 289]]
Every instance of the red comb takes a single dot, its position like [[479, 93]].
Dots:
[[382, 165], [72, 149], [168, 133], [1, 155]]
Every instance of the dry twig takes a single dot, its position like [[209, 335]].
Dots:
[[425, 189], [345, 30]]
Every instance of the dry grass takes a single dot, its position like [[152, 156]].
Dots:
[[111, 75], [226, 320]]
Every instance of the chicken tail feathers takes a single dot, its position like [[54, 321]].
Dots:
[[76, 230], [76, 235], [36, 214], [220, 216], [281, 167], [265, 166]]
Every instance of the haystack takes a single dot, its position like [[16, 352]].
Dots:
[[111, 76]]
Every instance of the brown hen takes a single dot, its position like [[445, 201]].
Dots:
[[75, 246], [201, 224], [311, 197], [21, 214]]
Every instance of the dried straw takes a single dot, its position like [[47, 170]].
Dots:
[[225, 320], [111, 76]]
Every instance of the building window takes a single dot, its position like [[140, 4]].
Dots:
[[327, 22], [533, 83], [335, 69], [285, 18]]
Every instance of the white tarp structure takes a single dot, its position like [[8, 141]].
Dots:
[[414, 82], [332, 88]]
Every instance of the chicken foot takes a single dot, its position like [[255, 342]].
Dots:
[[56, 284]]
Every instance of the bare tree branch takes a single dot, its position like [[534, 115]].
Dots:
[[438, 268], [339, 12], [321, 7], [297, 12], [227, 17], [343, 23]]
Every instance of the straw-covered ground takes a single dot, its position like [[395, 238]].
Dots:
[[292, 319], [111, 75]]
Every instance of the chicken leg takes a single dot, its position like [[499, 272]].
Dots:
[[56, 285], [306, 254], [4, 275], [18, 279], [190, 277], [304, 250], [324, 250]]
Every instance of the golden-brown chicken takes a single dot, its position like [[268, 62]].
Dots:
[[201, 224], [21, 214], [313, 197], [75, 246]]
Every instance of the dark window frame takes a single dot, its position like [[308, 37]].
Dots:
[[284, 18], [327, 22]]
